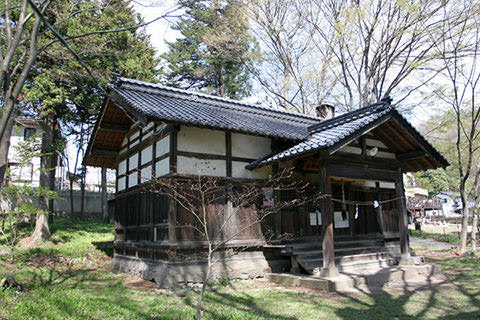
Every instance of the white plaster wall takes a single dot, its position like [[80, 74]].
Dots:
[[204, 167], [163, 146], [135, 135], [372, 184], [247, 146], [199, 140], [133, 162], [375, 143], [121, 183], [146, 174], [133, 179], [162, 167], [239, 171], [147, 154], [122, 167], [387, 185], [349, 149]]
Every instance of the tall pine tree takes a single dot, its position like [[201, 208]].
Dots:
[[213, 49], [59, 88]]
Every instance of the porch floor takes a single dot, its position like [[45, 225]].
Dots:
[[367, 280]]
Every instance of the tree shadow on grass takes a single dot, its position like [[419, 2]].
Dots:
[[231, 304], [104, 246], [386, 305]]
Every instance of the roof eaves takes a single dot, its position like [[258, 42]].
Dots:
[[417, 135]]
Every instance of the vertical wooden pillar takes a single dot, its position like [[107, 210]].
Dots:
[[402, 219], [173, 150], [172, 219], [378, 210], [228, 149], [277, 215], [329, 269]]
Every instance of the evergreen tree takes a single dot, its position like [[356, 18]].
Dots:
[[59, 88], [212, 52]]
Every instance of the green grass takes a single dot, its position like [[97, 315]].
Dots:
[[63, 285], [449, 238]]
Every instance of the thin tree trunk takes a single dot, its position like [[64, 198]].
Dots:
[[4, 146], [464, 231], [474, 232], [42, 230], [82, 189], [72, 209], [51, 175], [205, 282], [104, 195]]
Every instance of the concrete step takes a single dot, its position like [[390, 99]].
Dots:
[[306, 254], [351, 260], [292, 280], [362, 279], [306, 246]]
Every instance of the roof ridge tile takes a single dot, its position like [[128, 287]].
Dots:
[[184, 94]]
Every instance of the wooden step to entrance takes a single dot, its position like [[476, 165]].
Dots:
[[349, 253]]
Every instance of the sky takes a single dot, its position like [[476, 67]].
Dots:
[[159, 30]]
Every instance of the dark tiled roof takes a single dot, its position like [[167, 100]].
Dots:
[[334, 133], [329, 132], [170, 104]]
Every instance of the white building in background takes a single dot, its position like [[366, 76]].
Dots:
[[26, 128], [450, 203]]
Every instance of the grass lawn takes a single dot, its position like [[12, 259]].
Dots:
[[445, 233], [70, 277]]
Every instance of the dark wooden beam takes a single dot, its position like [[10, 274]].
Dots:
[[104, 153], [172, 219], [228, 146], [378, 209], [402, 216], [362, 172], [411, 155], [329, 268], [371, 162], [114, 127], [173, 150]]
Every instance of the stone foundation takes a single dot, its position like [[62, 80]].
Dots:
[[165, 273]]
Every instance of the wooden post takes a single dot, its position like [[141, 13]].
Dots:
[[277, 215], [228, 149], [173, 150], [378, 210], [172, 220], [329, 269], [402, 220]]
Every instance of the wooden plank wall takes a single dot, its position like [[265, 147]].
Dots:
[[243, 225], [141, 216]]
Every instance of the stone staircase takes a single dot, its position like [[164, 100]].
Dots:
[[350, 253]]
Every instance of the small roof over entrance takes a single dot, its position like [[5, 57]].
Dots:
[[412, 150]]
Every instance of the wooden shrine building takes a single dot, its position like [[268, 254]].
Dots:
[[357, 159]]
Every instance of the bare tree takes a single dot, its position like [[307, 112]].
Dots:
[[463, 75], [220, 213], [350, 53], [290, 69]]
